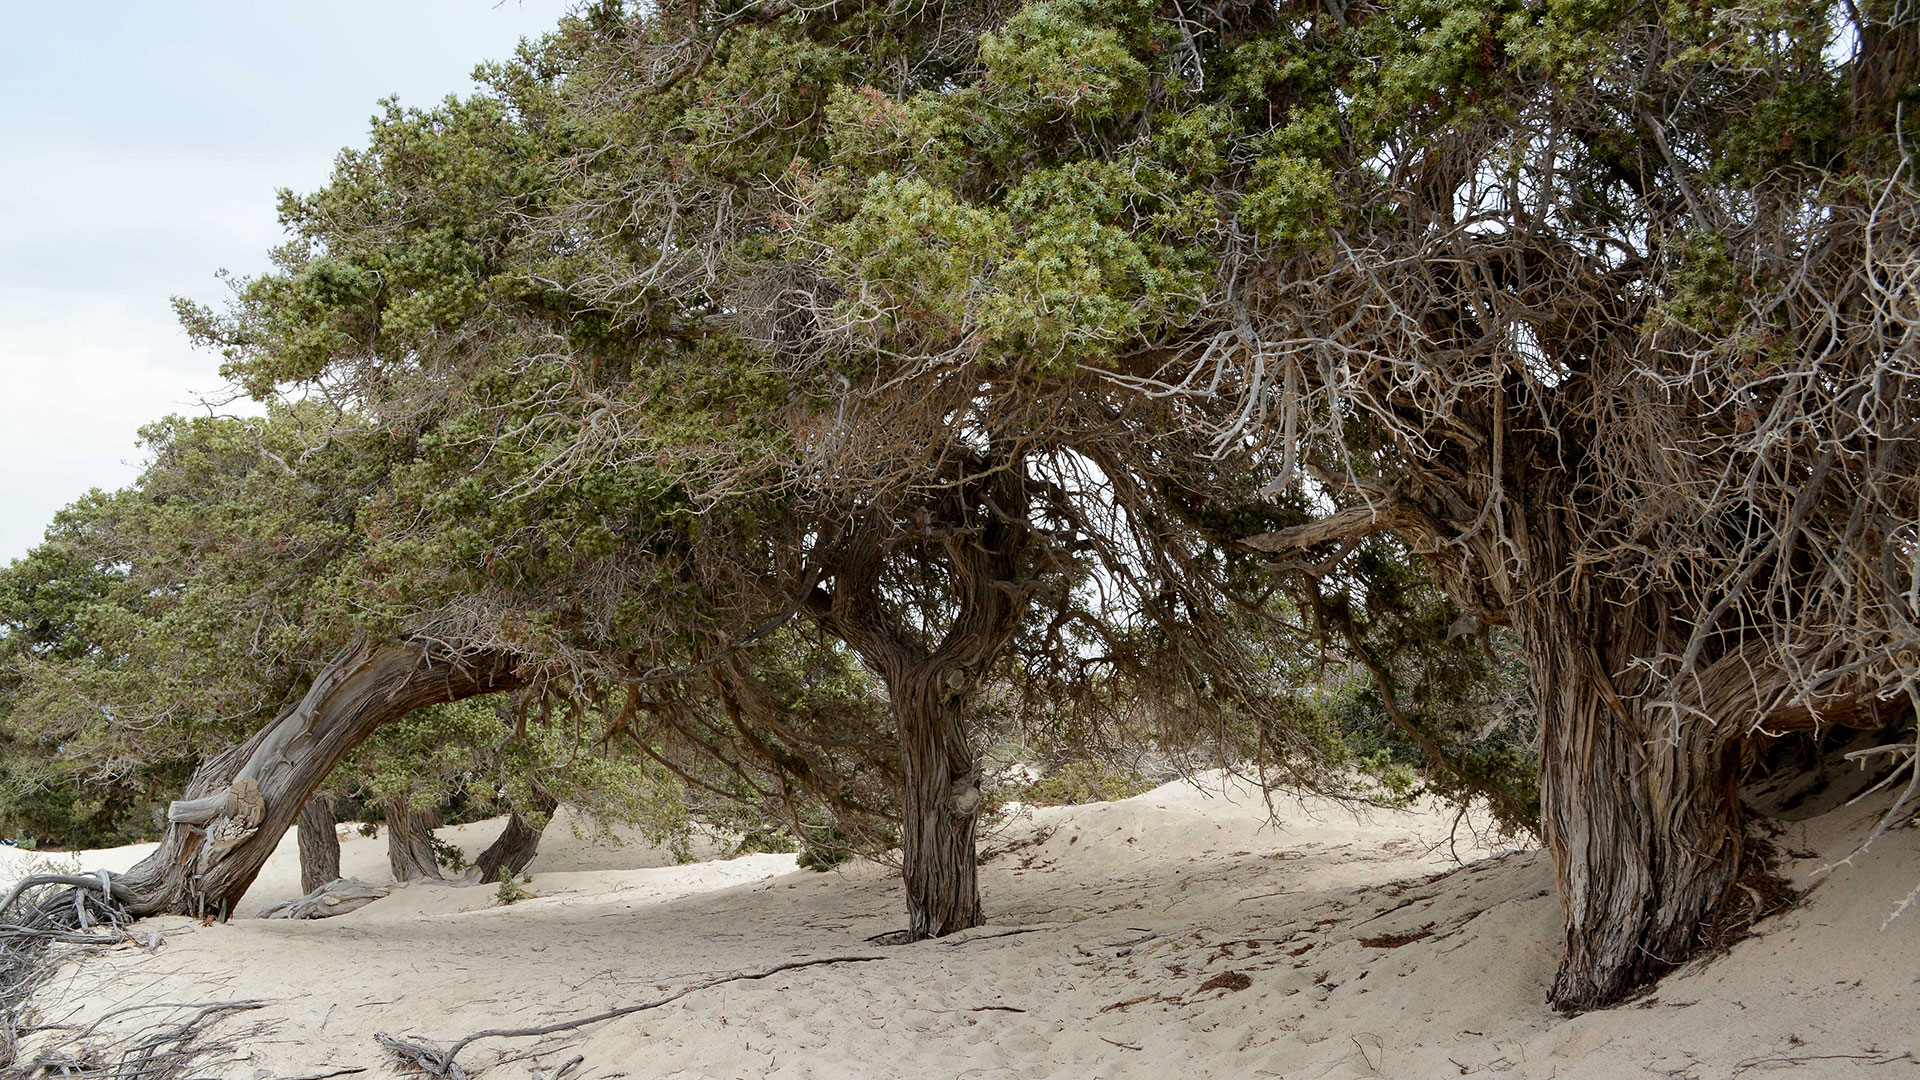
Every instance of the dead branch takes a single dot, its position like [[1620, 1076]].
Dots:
[[436, 1062]]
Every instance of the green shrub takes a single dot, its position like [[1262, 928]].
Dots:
[[510, 891], [823, 847], [1079, 782], [764, 841]]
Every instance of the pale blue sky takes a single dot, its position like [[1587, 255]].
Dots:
[[140, 147]]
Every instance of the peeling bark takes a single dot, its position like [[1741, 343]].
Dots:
[[975, 541], [940, 802], [258, 787], [1641, 815], [1639, 801], [931, 687]]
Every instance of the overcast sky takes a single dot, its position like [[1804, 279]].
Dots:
[[140, 147]]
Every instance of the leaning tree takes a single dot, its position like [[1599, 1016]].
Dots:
[[654, 447], [415, 300]]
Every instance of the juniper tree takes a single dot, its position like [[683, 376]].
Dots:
[[905, 322], [641, 473], [1606, 311]]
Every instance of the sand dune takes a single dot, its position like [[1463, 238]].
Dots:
[[1176, 934]]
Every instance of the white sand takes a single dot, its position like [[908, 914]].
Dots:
[[1133, 907]]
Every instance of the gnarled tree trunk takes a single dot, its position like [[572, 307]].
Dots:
[[240, 803], [1638, 806], [319, 844], [940, 801], [410, 840], [1639, 802], [931, 684], [513, 850]]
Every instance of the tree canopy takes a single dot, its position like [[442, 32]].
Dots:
[[787, 385]]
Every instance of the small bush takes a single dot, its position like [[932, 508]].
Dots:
[[1080, 782], [764, 841], [510, 891], [823, 847]]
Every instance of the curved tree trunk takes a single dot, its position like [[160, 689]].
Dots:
[[513, 850], [319, 844], [241, 802], [410, 840]]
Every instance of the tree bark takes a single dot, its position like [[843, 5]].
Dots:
[[319, 844], [1886, 58], [931, 690], [940, 803], [513, 850], [241, 802], [1639, 799], [410, 840], [1640, 812]]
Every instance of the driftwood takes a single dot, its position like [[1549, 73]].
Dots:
[[437, 1062], [40, 909], [337, 897]]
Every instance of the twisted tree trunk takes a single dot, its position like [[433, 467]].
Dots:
[[319, 844], [513, 850], [410, 840], [240, 803], [931, 684], [1638, 807], [940, 801], [1639, 803]]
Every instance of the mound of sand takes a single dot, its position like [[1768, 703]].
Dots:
[[1175, 934]]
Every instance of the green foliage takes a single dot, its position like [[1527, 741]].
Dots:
[[448, 854], [823, 847], [158, 622], [603, 367], [510, 890], [1082, 781], [765, 841], [1052, 58]]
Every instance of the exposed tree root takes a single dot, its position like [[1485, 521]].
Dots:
[[41, 909], [434, 1061]]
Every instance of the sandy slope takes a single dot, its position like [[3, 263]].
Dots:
[[1360, 949]]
